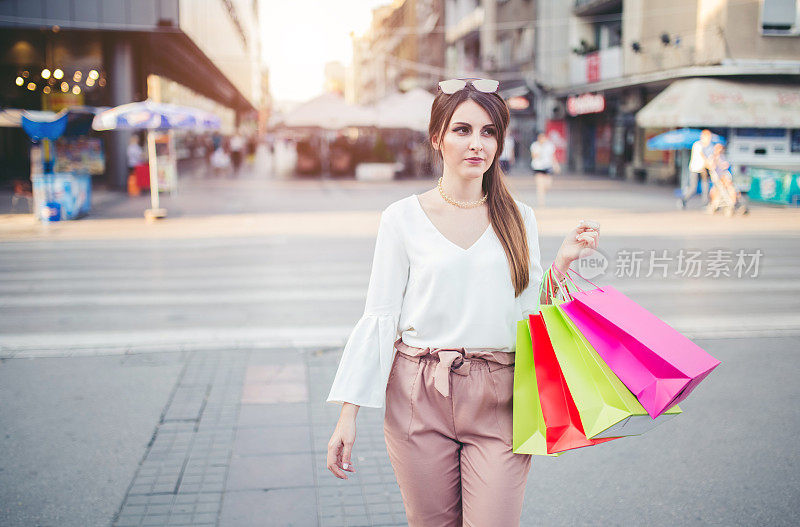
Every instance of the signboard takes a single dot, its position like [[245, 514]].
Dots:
[[80, 154], [655, 156], [518, 103], [166, 161], [586, 103], [57, 101]]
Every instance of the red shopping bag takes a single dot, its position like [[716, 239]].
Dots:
[[563, 427]]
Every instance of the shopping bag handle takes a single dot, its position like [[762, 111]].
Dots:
[[568, 277], [564, 293], [545, 286]]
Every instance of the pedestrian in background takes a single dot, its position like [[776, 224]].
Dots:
[[237, 146], [699, 163], [252, 145], [543, 163], [454, 269], [724, 193], [134, 154], [220, 162], [507, 156]]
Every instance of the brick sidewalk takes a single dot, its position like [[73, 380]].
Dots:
[[242, 441]]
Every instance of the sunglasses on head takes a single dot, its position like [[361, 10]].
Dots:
[[451, 86]]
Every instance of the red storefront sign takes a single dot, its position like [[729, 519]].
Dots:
[[585, 103]]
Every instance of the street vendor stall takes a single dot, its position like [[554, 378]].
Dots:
[[60, 172], [154, 117]]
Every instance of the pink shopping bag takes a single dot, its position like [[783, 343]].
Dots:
[[658, 364]]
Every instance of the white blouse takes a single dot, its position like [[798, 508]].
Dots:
[[433, 293]]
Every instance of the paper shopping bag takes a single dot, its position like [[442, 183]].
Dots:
[[606, 406], [528, 421], [563, 428], [658, 364]]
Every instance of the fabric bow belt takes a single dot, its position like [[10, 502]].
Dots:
[[449, 360], [455, 360]]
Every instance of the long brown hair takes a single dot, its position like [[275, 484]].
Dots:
[[504, 214]]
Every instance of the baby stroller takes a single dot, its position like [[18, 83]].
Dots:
[[724, 194]]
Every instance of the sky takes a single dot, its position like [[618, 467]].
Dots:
[[300, 36]]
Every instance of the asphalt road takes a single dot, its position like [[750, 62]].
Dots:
[[97, 332]]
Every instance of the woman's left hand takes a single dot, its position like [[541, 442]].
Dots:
[[578, 243]]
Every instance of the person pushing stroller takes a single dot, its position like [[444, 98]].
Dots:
[[723, 194]]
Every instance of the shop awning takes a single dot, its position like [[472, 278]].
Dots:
[[714, 103]]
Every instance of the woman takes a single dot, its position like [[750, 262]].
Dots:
[[454, 269]]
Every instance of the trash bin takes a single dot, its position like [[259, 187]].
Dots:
[[62, 196]]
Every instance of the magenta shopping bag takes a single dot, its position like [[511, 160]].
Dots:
[[658, 364]]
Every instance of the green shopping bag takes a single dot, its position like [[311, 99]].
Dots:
[[528, 420], [606, 406]]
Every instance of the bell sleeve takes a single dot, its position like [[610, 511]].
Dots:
[[367, 358], [529, 299]]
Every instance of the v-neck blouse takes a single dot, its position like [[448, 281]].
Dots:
[[432, 293]]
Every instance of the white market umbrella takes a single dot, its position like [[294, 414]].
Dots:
[[329, 111], [150, 116], [410, 110]]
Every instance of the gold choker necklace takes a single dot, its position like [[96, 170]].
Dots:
[[461, 204]]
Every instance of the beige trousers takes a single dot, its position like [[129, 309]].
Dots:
[[448, 433]]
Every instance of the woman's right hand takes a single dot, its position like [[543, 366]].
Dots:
[[340, 446]]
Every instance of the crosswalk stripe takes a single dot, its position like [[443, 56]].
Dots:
[[121, 342], [349, 288], [167, 270]]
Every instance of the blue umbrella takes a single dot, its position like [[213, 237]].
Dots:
[[679, 139], [44, 125], [149, 115]]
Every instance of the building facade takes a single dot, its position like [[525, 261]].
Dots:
[[102, 53], [582, 70], [602, 61], [403, 49]]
